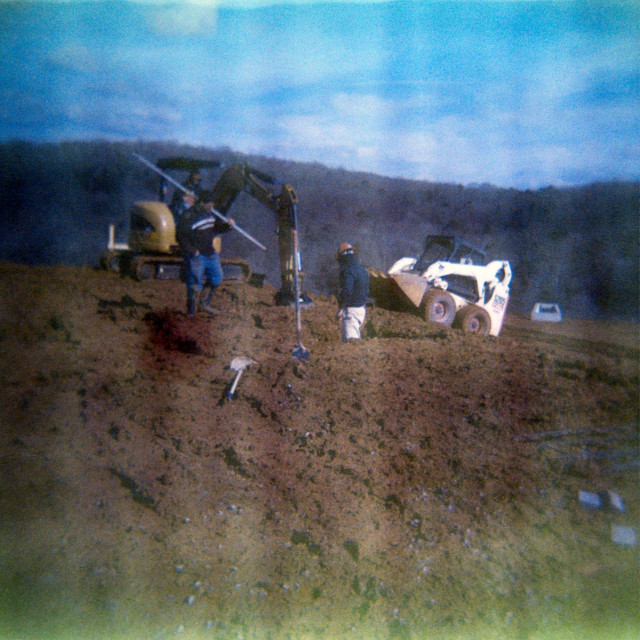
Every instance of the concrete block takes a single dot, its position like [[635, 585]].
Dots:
[[614, 501], [623, 535], [604, 500], [590, 500]]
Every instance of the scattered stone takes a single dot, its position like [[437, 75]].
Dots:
[[614, 501], [625, 536], [590, 500], [603, 500], [190, 600]]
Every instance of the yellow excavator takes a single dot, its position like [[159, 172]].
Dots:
[[153, 252]]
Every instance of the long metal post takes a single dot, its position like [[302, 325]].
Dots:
[[160, 172], [224, 218], [300, 351], [176, 184]]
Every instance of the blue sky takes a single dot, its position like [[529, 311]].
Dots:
[[517, 94]]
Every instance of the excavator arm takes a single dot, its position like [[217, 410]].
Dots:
[[276, 196]]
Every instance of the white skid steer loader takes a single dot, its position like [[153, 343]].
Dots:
[[448, 286]]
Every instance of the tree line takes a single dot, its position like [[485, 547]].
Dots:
[[576, 246]]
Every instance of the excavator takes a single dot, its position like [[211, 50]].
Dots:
[[153, 251]]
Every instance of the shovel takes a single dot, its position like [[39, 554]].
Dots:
[[299, 352], [238, 365]]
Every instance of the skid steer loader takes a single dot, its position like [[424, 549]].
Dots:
[[449, 284]]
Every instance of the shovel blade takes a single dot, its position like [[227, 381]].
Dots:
[[300, 353], [241, 363], [238, 365]]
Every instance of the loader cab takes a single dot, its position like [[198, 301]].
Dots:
[[449, 249]]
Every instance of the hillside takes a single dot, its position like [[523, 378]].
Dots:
[[419, 484], [575, 246]]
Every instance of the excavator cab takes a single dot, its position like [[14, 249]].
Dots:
[[152, 224], [184, 169]]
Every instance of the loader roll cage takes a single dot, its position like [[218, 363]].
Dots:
[[449, 249]]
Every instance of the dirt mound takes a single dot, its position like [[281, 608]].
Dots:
[[420, 483]]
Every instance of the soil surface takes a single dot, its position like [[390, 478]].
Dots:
[[420, 483]]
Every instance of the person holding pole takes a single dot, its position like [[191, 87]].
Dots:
[[197, 231]]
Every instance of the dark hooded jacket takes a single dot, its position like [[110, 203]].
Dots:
[[196, 230], [354, 281]]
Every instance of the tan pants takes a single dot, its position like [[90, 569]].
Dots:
[[352, 321]]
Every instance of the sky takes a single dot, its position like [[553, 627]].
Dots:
[[523, 94]]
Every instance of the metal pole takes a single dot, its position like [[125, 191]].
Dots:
[[176, 184], [237, 228]]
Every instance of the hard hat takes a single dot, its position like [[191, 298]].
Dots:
[[345, 246]]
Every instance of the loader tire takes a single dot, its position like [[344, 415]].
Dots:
[[438, 306], [474, 320]]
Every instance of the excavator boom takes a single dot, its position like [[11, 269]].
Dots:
[[278, 197]]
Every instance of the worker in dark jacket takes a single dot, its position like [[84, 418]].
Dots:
[[197, 230], [353, 292]]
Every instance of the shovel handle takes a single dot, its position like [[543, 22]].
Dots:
[[234, 385]]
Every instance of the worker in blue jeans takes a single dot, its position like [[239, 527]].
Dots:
[[197, 229]]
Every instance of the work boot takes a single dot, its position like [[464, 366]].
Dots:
[[205, 301], [208, 309], [191, 301]]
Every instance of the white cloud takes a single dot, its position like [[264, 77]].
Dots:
[[359, 106], [184, 19], [351, 131], [519, 113]]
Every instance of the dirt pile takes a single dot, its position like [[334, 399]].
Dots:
[[418, 484]]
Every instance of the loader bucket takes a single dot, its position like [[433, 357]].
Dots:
[[396, 292]]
